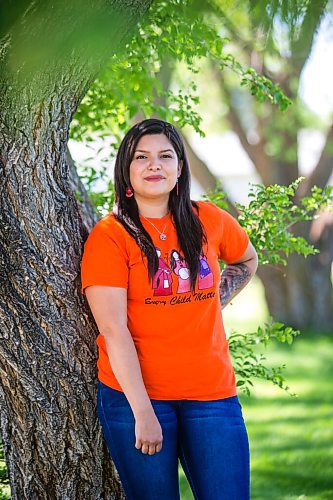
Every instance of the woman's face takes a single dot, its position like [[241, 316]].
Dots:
[[154, 167]]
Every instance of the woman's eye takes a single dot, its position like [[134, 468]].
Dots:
[[143, 156]]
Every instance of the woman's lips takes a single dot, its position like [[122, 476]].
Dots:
[[154, 179]]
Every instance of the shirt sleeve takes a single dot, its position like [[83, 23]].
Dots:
[[104, 260], [232, 237]]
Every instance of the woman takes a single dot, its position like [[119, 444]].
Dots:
[[166, 385]]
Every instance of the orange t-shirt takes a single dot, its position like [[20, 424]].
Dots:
[[179, 335]]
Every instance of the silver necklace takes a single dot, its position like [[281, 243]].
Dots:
[[163, 236]]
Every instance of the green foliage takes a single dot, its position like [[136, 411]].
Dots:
[[248, 364], [261, 87], [272, 213], [102, 201], [172, 32]]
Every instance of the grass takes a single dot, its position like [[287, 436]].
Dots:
[[4, 482], [291, 438]]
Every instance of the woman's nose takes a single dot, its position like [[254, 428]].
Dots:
[[154, 165]]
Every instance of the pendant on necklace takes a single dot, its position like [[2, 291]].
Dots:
[[163, 236]]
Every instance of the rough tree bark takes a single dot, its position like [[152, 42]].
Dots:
[[51, 435]]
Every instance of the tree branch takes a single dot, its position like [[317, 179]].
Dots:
[[322, 171], [256, 152]]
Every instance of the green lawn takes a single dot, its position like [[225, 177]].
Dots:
[[291, 439]]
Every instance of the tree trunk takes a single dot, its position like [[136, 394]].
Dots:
[[52, 439], [300, 294]]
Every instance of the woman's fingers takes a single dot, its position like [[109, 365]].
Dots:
[[150, 449]]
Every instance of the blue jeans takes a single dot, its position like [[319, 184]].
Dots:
[[208, 437]]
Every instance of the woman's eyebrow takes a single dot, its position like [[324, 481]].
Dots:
[[162, 150]]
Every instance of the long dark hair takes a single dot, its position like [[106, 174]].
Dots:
[[190, 231]]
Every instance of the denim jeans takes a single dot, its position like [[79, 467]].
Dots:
[[208, 437]]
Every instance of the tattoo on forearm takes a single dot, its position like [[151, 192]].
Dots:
[[233, 278]]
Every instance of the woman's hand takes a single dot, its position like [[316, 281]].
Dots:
[[148, 433]]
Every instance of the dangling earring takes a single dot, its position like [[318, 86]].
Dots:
[[129, 192], [177, 189]]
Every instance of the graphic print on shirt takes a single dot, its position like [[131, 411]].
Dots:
[[180, 268], [205, 275], [162, 283]]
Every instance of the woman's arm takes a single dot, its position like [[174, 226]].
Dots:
[[237, 275], [108, 305]]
